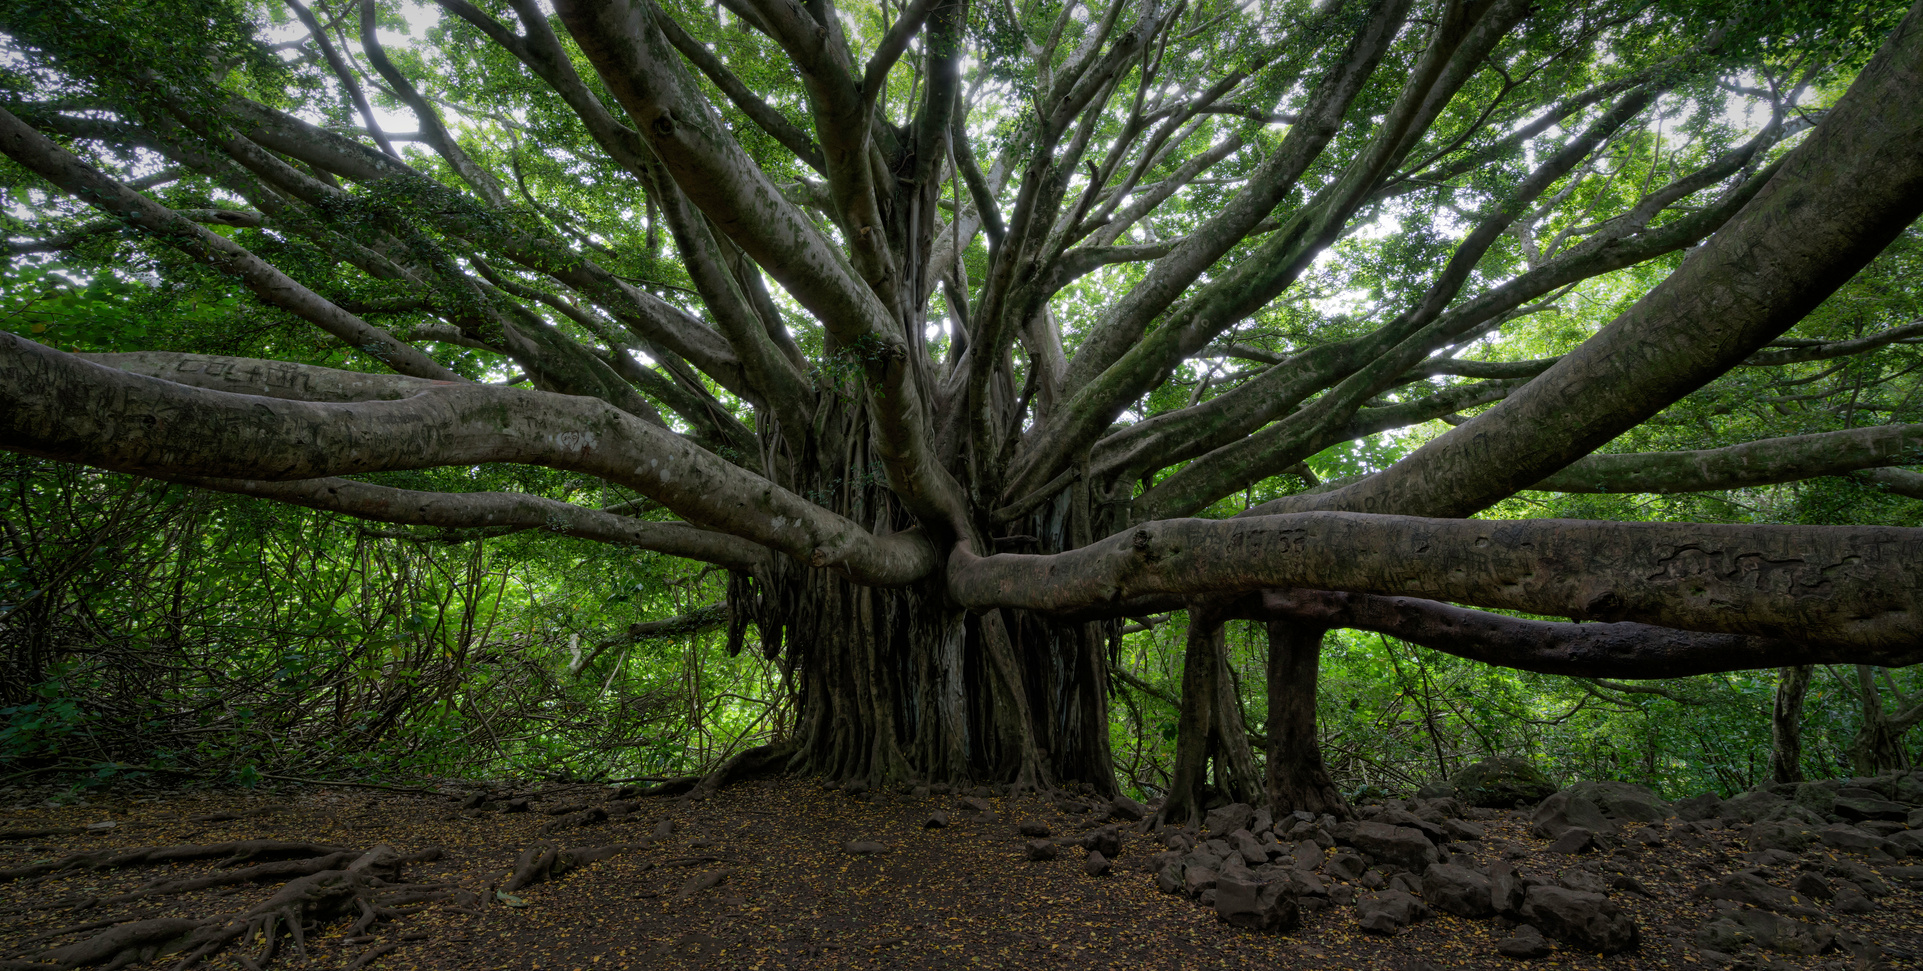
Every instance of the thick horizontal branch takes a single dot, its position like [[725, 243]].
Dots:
[[491, 510], [1765, 462], [1842, 586], [1619, 650], [59, 406], [269, 379]]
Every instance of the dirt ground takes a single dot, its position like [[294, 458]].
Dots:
[[759, 877]]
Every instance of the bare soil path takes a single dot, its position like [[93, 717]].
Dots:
[[760, 876]]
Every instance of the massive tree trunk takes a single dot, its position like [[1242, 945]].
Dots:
[[1786, 723]]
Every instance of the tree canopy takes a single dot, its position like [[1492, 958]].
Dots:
[[961, 334]]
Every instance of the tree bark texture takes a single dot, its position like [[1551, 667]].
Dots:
[[1786, 723], [1297, 777]]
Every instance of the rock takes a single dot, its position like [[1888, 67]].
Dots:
[[1036, 851], [1788, 835], [1706, 806], [1457, 890], [1463, 830], [1244, 843], [864, 848], [1262, 822], [1307, 855], [1525, 943], [1501, 783], [1908, 788], [1196, 879], [975, 803], [1573, 841], [1408, 820], [1346, 866], [1751, 806], [1909, 841], [515, 806], [1264, 907], [1850, 900], [1860, 804], [664, 829], [1106, 839], [1506, 889], [1033, 827], [1562, 812], [1229, 818], [1812, 886], [1436, 790], [1629, 884], [1126, 809], [1771, 932], [1584, 881], [1723, 935], [1169, 878], [1388, 912], [1405, 847], [1406, 882], [1748, 888], [1590, 921], [1598, 807], [936, 820], [1850, 838], [1862, 877], [1095, 865]]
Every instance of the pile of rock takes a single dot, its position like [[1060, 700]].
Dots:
[[1402, 859]]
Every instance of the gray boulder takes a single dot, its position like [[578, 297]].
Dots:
[[1590, 921], [1527, 942], [1506, 889], [1403, 846], [1229, 818], [1751, 806], [1346, 866], [1196, 879], [1598, 807], [1126, 809], [1850, 838], [1706, 806], [1501, 783], [1095, 865], [1307, 855], [1244, 843], [1036, 851], [1463, 830], [1736, 926], [1457, 890], [1263, 907], [1388, 912], [1745, 887], [1857, 805]]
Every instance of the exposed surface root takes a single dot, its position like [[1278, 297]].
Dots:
[[332, 884], [539, 864], [238, 851]]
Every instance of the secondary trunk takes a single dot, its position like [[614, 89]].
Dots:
[[1786, 723], [1297, 777]]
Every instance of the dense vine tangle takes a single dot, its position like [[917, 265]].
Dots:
[[937, 510]]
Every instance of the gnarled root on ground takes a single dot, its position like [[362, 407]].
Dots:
[[332, 884]]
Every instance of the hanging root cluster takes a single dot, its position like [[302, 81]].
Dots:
[[319, 885]]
